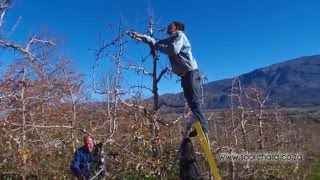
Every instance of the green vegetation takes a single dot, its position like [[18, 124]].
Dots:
[[315, 174]]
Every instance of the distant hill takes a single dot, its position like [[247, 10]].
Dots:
[[291, 83]]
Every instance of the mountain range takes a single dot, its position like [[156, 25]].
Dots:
[[292, 83]]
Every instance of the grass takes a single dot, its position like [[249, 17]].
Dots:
[[315, 175]]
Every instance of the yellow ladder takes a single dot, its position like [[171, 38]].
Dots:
[[207, 151]]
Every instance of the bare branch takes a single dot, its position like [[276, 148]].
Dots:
[[140, 69], [25, 50], [3, 8], [162, 73]]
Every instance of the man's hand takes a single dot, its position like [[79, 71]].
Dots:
[[137, 36], [81, 177]]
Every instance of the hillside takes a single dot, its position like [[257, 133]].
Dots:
[[291, 83]]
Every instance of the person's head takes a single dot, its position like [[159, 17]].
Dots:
[[174, 27], [88, 143]]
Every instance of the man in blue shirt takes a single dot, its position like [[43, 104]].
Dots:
[[80, 166], [178, 49]]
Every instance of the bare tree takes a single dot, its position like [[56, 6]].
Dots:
[[238, 103]]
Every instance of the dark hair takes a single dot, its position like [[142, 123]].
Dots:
[[179, 25]]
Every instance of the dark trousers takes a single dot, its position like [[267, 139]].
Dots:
[[191, 84]]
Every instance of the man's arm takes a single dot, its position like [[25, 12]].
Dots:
[[142, 37], [170, 46], [75, 166]]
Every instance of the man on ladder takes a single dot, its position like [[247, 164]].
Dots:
[[177, 47]]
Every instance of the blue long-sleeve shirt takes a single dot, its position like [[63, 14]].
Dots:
[[178, 49], [81, 162]]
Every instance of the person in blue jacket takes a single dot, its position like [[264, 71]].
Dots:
[[177, 47], [80, 166]]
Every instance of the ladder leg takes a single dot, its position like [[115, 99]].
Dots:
[[207, 151]]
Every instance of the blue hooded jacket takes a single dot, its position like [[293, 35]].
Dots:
[[81, 162]]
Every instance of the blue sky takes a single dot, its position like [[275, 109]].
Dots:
[[228, 37]]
